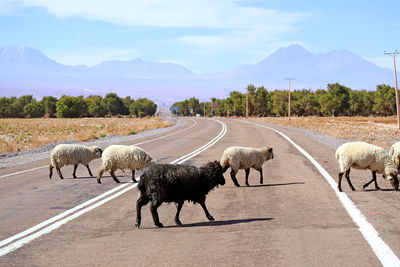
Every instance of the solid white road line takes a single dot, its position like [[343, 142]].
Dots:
[[56, 225], [383, 252], [144, 142]]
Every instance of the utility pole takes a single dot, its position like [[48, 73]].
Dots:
[[289, 79], [247, 105], [393, 53]]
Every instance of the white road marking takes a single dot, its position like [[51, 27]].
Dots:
[[27, 239], [144, 142], [384, 253]]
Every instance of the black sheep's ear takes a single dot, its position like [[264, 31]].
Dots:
[[270, 149]]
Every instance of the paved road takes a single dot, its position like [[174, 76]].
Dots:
[[293, 219]]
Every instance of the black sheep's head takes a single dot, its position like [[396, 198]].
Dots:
[[218, 172]]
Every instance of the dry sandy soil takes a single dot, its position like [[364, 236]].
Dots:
[[381, 131], [22, 134]]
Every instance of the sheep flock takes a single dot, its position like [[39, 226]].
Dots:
[[177, 183]]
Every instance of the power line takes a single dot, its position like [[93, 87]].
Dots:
[[393, 53]]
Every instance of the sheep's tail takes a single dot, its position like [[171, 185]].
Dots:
[[224, 163]]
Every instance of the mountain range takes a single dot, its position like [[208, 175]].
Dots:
[[24, 70]]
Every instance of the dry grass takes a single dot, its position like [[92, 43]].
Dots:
[[381, 131], [20, 134]]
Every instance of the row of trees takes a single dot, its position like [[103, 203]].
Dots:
[[337, 99], [75, 107]]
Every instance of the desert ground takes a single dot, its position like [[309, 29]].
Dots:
[[381, 131], [22, 134]]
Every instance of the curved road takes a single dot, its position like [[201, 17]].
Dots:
[[294, 218]]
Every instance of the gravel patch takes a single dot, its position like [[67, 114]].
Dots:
[[11, 159]]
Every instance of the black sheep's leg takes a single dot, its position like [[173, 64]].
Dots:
[[340, 181], [90, 173], [247, 175], [114, 177], [233, 176], [143, 200], [178, 210], [133, 176], [59, 173], [208, 215], [50, 171], [73, 174], [153, 208], [348, 180]]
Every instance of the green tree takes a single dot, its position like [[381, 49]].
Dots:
[[71, 107], [238, 101], [385, 100], [263, 102], [280, 103], [251, 95], [5, 104], [336, 100], [49, 105], [34, 109], [143, 107], [95, 105], [304, 103], [114, 105], [18, 105], [368, 99]]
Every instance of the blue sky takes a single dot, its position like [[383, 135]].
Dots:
[[204, 36]]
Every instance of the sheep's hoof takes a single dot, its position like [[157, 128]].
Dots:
[[237, 185], [159, 225], [378, 188], [134, 180], [247, 184], [178, 222], [137, 224], [74, 177], [353, 189], [211, 218], [117, 181], [98, 181]]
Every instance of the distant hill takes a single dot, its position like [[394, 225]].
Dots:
[[312, 71], [24, 70]]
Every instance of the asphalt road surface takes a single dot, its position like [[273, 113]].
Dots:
[[295, 218]]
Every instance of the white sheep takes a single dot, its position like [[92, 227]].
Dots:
[[238, 157], [69, 154], [394, 152], [120, 157], [362, 156]]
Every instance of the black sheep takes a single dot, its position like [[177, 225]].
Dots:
[[176, 183]]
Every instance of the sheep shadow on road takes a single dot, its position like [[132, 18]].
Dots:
[[268, 185], [220, 223], [376, 190]]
